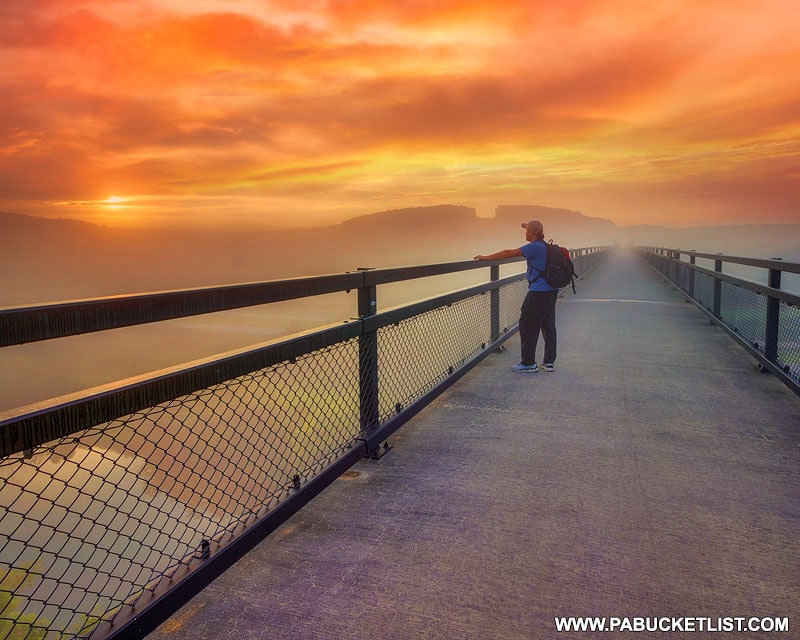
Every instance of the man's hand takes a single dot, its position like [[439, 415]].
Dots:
[[501, 255]]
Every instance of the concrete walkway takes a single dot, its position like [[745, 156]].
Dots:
[[655, 473]]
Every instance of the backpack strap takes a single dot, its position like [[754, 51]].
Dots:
[[536, 279]]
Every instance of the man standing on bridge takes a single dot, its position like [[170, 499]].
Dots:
[[539, 308]]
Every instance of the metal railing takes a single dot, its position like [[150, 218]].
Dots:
[[763, 318], [119, 504]]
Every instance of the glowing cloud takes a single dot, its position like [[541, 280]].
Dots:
[[674, 112]]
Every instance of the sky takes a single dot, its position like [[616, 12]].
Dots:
[[280, 113]]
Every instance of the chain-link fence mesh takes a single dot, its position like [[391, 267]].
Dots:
[[106, 518], [96, 520], [745, 312], [511, 298], [418, 353], [788, 356], [682, 276], [586, 260], [704, 290]]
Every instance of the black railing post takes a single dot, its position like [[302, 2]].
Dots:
[[676, 255], [717, 290], [368, 359], [773, 317], [692, 261], [494, 275]]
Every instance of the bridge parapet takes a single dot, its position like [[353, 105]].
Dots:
[[122, 502], [763, 318]]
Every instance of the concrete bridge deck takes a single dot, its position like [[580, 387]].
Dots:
[[655, 473]]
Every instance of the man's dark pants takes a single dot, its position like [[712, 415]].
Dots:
[[538, 314]]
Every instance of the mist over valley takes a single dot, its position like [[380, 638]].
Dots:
[[44, 260]]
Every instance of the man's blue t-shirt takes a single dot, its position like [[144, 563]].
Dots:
[[536, 254]]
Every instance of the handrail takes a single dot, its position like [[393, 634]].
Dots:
[[764, 263], [19, 325], [762, 289], [62, 319]]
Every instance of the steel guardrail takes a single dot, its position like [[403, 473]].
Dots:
[[20, 325]]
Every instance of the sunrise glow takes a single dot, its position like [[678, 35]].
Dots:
[[262, 113]]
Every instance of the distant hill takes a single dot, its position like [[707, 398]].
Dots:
[[45, 260], [551, 215], [506, 217], [452, 232], [412, 219], [563, 226], [447, 224]]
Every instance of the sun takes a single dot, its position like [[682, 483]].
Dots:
[[113, 203]]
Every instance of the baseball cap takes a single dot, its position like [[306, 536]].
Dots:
[[534, 225]]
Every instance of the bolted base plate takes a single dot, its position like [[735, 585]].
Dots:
[[379, 452]]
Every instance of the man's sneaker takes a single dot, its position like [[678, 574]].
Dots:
[[549, 367], [525, 368]]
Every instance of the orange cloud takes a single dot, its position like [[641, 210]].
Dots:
[[620, 108]]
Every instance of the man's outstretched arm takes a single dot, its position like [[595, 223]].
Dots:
[[501, 255]]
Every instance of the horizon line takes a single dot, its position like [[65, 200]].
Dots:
[[250, 228]]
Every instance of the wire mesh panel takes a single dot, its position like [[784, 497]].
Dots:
[[672, 272], [704, 290], [511, 298], [587, 261], [681, 278], [656, 261], [745, 312], [788, 358], [97, 520], [416, 354]]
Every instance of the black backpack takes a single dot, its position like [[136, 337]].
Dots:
[[560, 269]]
